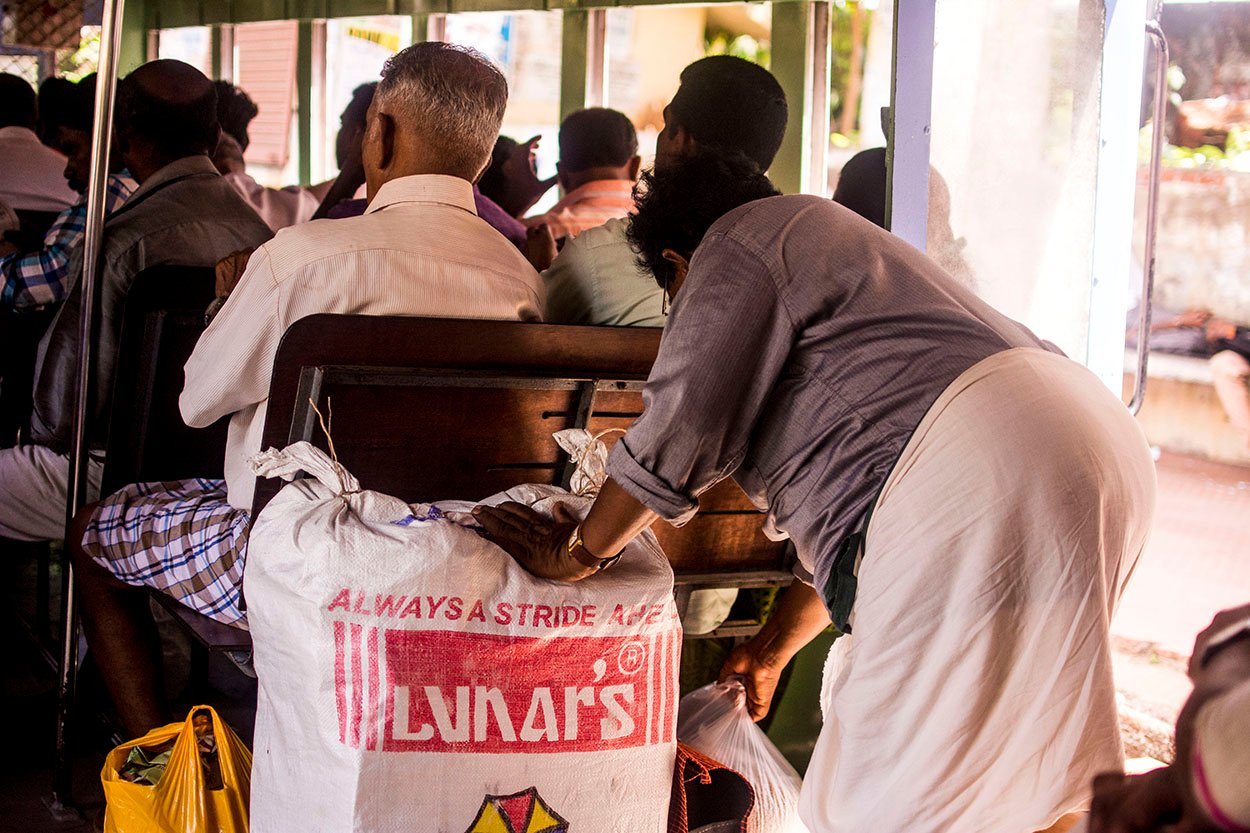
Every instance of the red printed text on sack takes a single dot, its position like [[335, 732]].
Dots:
[[441, 691]]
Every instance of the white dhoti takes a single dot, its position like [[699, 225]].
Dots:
[[976, 693]]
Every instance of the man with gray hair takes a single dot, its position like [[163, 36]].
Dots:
[[419, 249]]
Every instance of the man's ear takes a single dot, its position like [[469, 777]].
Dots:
[[635, 167], [386, 140]]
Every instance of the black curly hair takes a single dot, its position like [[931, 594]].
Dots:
[[675, 209], [235, 111]]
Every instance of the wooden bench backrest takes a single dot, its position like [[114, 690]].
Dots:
[[147, 440], [437, 409]]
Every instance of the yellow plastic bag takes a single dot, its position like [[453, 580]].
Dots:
[[181, 801]]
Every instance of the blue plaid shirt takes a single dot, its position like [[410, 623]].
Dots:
[[39, 278]]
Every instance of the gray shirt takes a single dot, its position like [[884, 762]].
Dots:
[[800, 354], [184, 214]]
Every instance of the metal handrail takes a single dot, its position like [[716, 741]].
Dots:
[[60, 802], [1145, 307]]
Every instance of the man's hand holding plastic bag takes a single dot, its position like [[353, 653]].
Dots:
[[799, 617]]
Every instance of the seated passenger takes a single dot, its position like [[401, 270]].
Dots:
[[38, 278], [278, 207], [30, 176], [596, 279], [182, 213], [339, 204], [597, 170], [511, 180], [420, 249]]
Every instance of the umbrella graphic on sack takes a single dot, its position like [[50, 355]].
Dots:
[[523, 812]]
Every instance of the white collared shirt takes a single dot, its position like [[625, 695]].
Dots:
[[419, 249], [32, 175]]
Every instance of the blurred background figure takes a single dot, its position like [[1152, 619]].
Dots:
[[57, 99], [278, 207], [1207, 787], [30, 176], [862, 188]]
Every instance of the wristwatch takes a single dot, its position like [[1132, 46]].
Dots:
[[577, 549], [1229, 635]]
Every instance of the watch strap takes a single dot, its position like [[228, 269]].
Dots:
[[577, 549]]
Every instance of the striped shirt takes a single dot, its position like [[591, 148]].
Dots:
[[39, 278], [419, 249], [591, 205]]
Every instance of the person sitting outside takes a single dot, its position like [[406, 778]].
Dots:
[[595, 279], [39, 278], [183, 213], [598, 167], [30, 177], [1207, 787], [1225, 342], [420, 249]]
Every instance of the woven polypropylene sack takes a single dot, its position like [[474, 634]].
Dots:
[[414, 677]]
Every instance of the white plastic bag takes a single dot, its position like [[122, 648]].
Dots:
[[714, 720]]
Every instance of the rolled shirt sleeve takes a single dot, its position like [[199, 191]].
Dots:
[[727, 339], [1221, 758]]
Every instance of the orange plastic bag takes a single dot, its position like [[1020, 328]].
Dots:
[[181, 801]]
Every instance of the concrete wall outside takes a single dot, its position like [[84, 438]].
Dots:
[[1203, 250], [1186, 417]]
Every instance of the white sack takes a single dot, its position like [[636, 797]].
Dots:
[[414, 678]]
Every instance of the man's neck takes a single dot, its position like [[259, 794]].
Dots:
[[145, 167], [573, 181]]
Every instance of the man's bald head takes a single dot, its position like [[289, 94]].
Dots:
[[168, 110]]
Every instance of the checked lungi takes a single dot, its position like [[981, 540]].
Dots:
[[182, 538]]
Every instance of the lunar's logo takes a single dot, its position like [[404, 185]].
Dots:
[[523, 812]]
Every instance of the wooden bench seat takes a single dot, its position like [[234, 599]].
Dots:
[[439, 409]]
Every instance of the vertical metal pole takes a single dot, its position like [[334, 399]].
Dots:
[[911, 103], [303, 107], [791, 24], [574, 43], [93, 239], [228, 57], [222, 48], [820, 57], [317, 98], [1119, 103], [1158, 126], [435, 27], [597, 58]]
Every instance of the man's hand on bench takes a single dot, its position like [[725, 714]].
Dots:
[[538, 543]]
